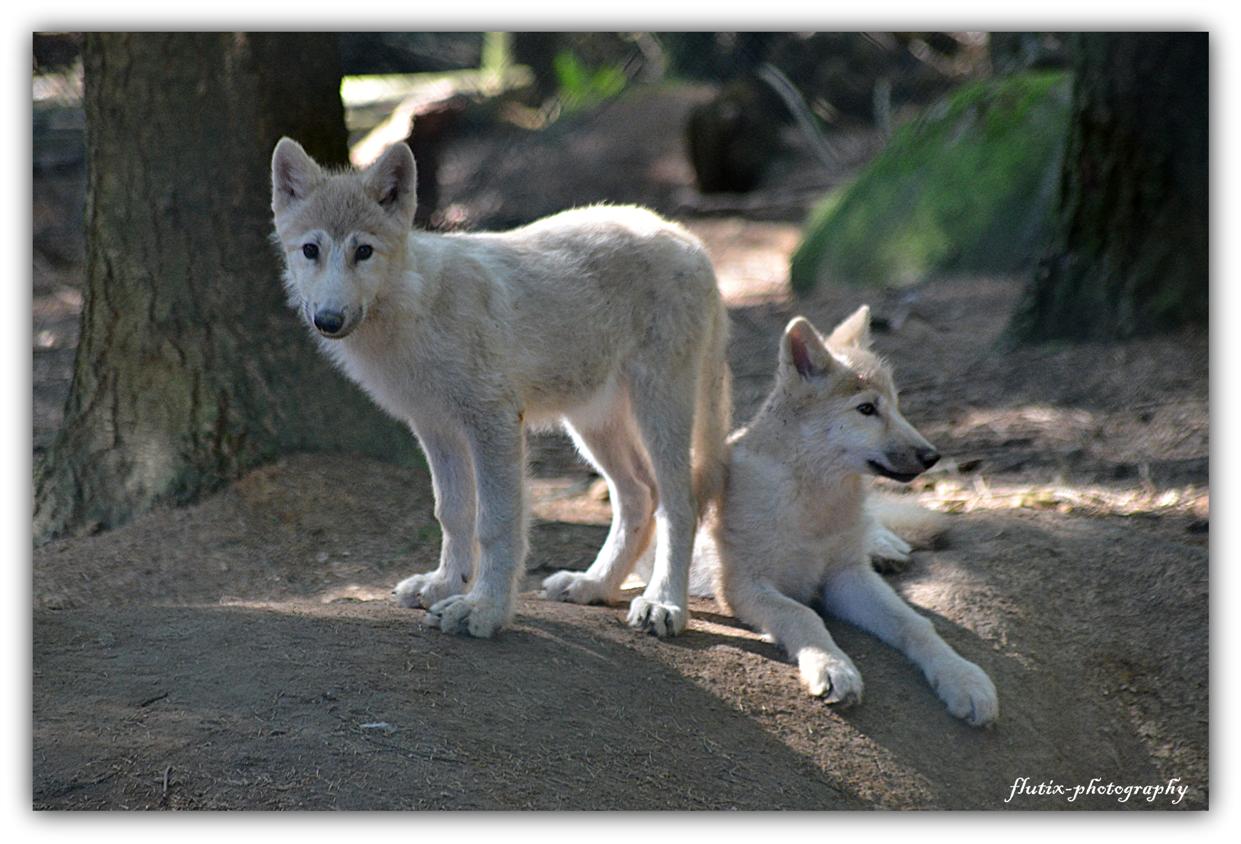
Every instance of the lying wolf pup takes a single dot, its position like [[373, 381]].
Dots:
[[796, 523], [607, 319]]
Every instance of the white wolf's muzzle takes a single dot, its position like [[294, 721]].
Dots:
[[906, 464], [334, 322]]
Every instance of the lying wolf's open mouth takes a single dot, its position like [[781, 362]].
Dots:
[[880, 469]]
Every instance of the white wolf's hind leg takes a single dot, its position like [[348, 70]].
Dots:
[[663, 408], [619, 458], [863, 598], [452, 478]]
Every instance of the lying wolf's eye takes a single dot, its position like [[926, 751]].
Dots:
[[311, 251], [866, 409], [363, 252]]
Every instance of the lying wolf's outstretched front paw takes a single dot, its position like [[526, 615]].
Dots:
[[577, 588], [469, 615], [657, 617], [967, 691], [831, 677], [426, 590]]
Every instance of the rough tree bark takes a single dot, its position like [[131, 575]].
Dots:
[[190, 367], [1131, 252]]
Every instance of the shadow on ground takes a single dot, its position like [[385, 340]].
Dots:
[[360, 706]]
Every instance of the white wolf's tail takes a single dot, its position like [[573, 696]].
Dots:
[[712, 415], [916, 525]]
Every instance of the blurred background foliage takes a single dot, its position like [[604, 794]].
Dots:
[[905, 154], [970, 187]]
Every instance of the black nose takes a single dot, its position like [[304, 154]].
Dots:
[[928, 457], [329, 322]]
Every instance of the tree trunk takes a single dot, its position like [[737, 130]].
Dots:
[[1131, 251], [191, 368]]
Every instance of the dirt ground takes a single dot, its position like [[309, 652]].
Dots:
[[244, 652]]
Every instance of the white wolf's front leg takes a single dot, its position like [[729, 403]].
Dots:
[[452, 477], [826, 671], [499, 467], [863, 598]]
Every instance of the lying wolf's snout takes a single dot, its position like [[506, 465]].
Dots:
[[329, 322], [905, 464]]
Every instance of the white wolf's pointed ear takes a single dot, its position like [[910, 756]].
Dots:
[[802, 349], [854, 330], [393, 181], [293, 174]]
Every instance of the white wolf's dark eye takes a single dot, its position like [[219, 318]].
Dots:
[[363, 252], [866, 409], [311, 251]]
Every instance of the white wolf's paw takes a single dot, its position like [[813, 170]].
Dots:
[[968, 692], [469, 614], [425, 590], [888, 552], [577, 588], [657, 617], [831, 677]]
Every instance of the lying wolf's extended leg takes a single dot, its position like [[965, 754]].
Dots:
[[863, 598], [663, 407], [498, 452], [825, 669], [452, 477], [613, 450]]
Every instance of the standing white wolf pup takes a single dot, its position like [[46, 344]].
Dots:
[[607, 319], [795, 522]]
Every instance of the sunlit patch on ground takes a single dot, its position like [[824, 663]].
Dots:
[[966, 495]]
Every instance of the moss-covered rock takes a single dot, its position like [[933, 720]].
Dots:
[[968, 187]]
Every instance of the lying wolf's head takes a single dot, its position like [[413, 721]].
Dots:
[[842, 403], [343, 234]]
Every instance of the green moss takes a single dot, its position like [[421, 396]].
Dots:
[[968, 187], [581, 86]]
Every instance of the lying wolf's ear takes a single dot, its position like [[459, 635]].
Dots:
[[853, 331], [293, 174], [802, 349], [393, 181]]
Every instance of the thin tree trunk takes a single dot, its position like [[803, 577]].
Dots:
[[190, 367], [1131, 254]]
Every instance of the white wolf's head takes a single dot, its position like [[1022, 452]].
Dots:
[[840, 403], [343, 234]]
